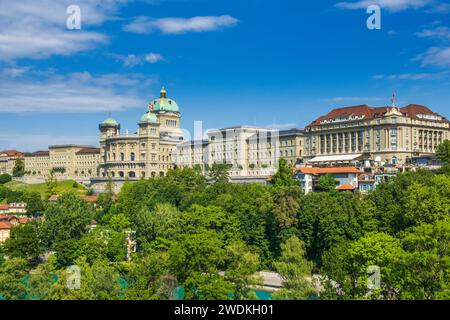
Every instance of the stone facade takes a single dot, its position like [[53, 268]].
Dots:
[[66, 161], [146, 153], [250, 152], [389, 135], [8, 160]]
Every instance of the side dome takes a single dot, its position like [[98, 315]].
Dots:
[[109, 123], [164, 103], [149, 117]]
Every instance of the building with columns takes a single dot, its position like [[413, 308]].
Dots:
[[147, 152], [390, 135]]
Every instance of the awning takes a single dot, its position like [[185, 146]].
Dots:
[[337, 158]]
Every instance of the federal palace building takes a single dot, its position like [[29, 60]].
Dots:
[[387, 135]]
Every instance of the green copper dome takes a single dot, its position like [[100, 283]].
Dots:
[[110, 122], [164, 103], [149, 117]]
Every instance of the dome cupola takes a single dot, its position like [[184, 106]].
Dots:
[[164, 104], [149, 117], [110, 123]]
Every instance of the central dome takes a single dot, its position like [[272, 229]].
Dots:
[[164, 103]]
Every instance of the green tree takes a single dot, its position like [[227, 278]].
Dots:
[[19, 168], [242, 266], [295, 271], [207, 286], [327, 219], [218, 173], [5, 178], [284, 176], [98, 281], [12, 273], [424, 270], [148, 277], [326, 183], [159, 223], [24, 242], [249, 211], [348, 266], [67, 219], [34, 202], [119, 222], [51, 184], [443, 152], [41, 281]]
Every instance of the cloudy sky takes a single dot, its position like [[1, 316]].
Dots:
[[226, 62]]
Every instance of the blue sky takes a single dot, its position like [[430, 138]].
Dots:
[[226, 62]]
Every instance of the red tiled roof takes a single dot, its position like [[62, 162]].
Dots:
[[53, 197], [24, 220], [4, 206], [5, 225], [90, 198], [3, 217], [89, 151], [12, 153], [333, 170], [345, 187], [411, 110]]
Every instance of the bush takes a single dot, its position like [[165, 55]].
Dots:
[[5, 178]]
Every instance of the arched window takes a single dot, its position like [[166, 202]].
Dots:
[[133, 157], [122, 157], [132, 174], [121, 174]]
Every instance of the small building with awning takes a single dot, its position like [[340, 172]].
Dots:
[[347, 177], [337, 159]]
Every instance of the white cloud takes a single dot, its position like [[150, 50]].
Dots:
[[14, 72], [391, 5], [181, 25], [282, 126], [32, 142], [133, 60], [412, 76], [436, 57], [76, 92], [37, 29], [441, 33], [153, 57], [392, 33], [441, 8]]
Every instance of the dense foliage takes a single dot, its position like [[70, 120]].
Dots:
[[208, 238]]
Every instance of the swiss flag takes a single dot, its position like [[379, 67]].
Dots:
[[151, 106]]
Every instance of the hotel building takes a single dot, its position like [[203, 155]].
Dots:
[[389, 135]]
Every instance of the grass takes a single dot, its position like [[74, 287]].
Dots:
[[41, 188]]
